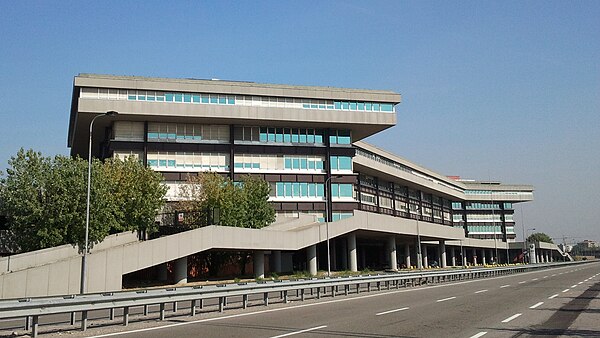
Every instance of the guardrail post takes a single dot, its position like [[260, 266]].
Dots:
[[72, 318], [333, 290], [201, 304], [84, 316], [244, 301], [193, 308], [34, 326], [224, 301], [346, 287], [318, 292], [126, 316], [368, 286], [27, 323], [302, 294], [266, 298], [285, 296], [162, 311], [378, 286], [111, 314], [174, 306], [221, 304], [145, 310]]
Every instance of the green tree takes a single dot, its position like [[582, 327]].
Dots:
[[539, 237], [44, 199]]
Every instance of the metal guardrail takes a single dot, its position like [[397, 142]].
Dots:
[[32, 308]]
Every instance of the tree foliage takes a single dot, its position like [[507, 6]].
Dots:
[[44, 199], [539, 237], [210, 198]]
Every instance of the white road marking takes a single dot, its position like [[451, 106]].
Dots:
[[301, 331], [391, 311], [554, 275], [579, 283], [445, 299], [536, 305], [523, 282], [553, 296], [504, 286], [565, 290], [574, 285], [511, 318], [480, 334], [534, 279], [545, 276], [480, 291]]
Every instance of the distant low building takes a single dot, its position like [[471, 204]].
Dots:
[[587, 244]]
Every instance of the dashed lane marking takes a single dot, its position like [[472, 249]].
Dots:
[[480, 334], [511, 317], [445, 299], [565, 290], [504, 286], [301, 331], [536, 305], [553, 296], [481, 291], [391, 311]]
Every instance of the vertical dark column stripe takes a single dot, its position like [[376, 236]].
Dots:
[[327, 187], [464, 214], [503, 219], [376, 180], [145, 155], [231, 152]]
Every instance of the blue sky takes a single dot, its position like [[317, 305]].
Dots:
[[506, 90]]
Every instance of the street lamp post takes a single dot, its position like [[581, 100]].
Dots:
[[87, 208], [327, 221]]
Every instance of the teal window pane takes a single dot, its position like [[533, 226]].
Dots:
[[319, 165], [361, 106], [303, 163], [153, 163], [345, 190], [311, 165], [376, 106], [263, 134], [178, 97], [169, 97], [196, 98], [162, 135], [222, 100], [204, 98], [387, 107], [271, 137], [329, 106], [152, 135], [149, 98], [318, 138], [304, 189], [302, 138], [310, 136], [213, 99], [321, 106], [343, 137], [335, 190], [231, 100], [132, 97], [296, 163], [333, 160], [369, 106], [295, 138], [280, 187], [256, 165], [320, 190], [187, 98], [313, 106], [180, 137], [312, 190], [287, 163], [171, 136], [279, 137], [345, 163], [162, 163], [288, 189], [239, 165], [171, 163], [306, 105], [352, 105], [337, 105], [336, 217], [287, 138], [296, 188], [248, 165], [333, 139], [141, 98], [160, 98], [345, 105]]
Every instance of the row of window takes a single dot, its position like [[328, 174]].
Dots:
[[485, 229], [279, 162], [482, 206], [297, 190], [484, 218], [336, 216], [190, 161], [224, 99], [489, 192]]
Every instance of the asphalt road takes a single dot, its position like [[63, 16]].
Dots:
[[555, 302]]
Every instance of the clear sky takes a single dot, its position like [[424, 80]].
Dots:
[[505, 90]]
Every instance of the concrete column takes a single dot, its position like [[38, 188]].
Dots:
[[276, 255], [352, 252], [547, 257], [425, 258], [453, 256], [483, 257], [259, 264], [407, 255], [180, 271], [442, 249], [419, 249], [474, 256], [463, 254], [392, 253], [311, 259], [344, 256]]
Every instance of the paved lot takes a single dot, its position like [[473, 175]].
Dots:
[[561, 301]]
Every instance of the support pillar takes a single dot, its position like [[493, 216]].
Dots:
[[442, 249], [419, 254], [276, 254], [453, 256], [407, 255], [352, 252], [425, 258], [474, 256], [180, 271], [483, 257], [311, 259], [259, 264], [392, 253]]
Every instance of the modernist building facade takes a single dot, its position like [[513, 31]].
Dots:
[[305, 141]]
